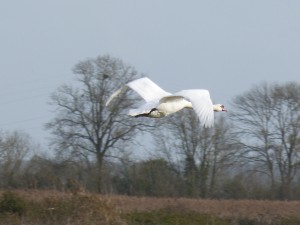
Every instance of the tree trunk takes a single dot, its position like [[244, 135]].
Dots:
[[99, 174]]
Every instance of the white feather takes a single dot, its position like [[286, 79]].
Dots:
[[115, 94], [202, 105], [147, 89]]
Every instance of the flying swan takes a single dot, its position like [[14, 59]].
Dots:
[[160, 103]]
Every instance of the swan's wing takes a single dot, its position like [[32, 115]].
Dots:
[[115, 94], [146, 88], [202, 105]]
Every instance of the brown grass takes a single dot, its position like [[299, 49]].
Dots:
[[256, 210], [222, 208]]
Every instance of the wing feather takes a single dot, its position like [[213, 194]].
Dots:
[[147, 89], [115, 94], [202, 105]]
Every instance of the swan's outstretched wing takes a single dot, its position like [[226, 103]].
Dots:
[[202, 105], [146, 88], [115, 94]]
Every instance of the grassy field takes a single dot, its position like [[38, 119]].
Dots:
[[49, 207]]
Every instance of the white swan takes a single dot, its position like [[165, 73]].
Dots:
[[160, 103]]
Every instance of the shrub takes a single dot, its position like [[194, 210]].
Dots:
[[76, 209], [11, 203]]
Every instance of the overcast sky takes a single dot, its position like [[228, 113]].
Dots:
[[224, 46]]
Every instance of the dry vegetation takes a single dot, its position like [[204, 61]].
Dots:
[[50, 207], [264, 212], [221, 208]]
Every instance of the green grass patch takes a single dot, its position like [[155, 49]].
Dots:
[[169, 217]]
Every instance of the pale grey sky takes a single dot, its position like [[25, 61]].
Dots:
[[224, 46]]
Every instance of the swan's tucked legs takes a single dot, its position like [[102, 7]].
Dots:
[[146, 114]]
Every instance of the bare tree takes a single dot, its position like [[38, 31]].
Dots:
[[268, 120], [14, 148], [83, 127], [152, 177], [204, 152], [287, 133]]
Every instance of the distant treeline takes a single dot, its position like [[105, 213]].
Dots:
[[252, 152]]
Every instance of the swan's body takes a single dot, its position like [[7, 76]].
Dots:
[[160, 103]]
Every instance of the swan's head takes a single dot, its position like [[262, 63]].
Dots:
[[219, 108]]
